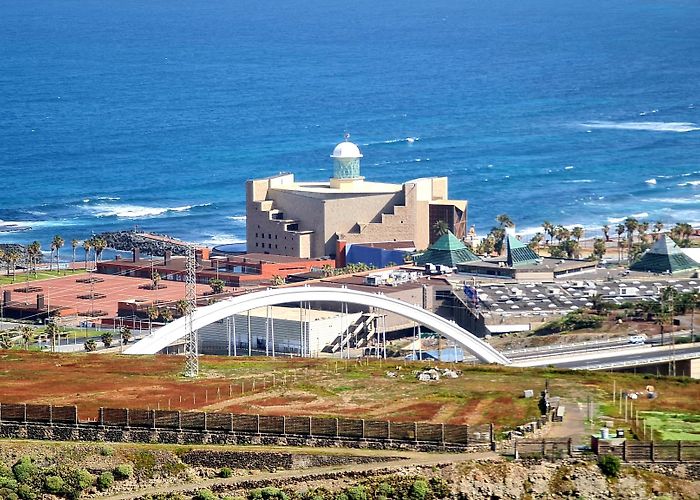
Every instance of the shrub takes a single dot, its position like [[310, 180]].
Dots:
[[26, 492], [25, 470], [5, 471], [76, 481], [105, 481], [268, 493], [8, 494], [356, 493], [204, 495], [53, 484], [123, 471], [8, 482], [225, 472], [106, 451], [439, 487], [610, 465], [419, 490], [384, 490]]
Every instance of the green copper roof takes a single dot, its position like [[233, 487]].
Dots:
[[519, 254], [448, 251], [664, 256]]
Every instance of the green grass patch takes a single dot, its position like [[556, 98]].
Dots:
[[40, 275], [673, 426]]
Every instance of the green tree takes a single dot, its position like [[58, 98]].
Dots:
[[74, 244], [577, 233], [90, 345], [217, 285], [535, 241], [620, 230], [181, 307], [631, 225], [33, 256], [606, 232], [87, 245], [599, 248], [548, 228], [166, 314], [52, 333], [440, 228], [126, 335], [107, 338], [27, 333], [99, 244], [505, 221], [155, 280], [658, 227], [277, 280], [56, 245]]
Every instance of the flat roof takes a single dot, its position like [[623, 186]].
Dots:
[[363, 187], [547, 264], [291, 313]]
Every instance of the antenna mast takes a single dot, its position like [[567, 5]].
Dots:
[[191, 349]]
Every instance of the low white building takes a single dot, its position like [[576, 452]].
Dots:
[[276, 330]]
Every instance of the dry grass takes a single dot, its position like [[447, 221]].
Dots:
[[481, 394]]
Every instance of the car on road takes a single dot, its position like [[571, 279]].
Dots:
[[637, 339]]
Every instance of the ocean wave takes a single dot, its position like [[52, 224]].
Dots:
[[222, 239], [578, 181], [618, 220], [409, 140], [651, 182], [689, 183], [137, 211], [569, 167], [674, 201], [238, 218], [646, 126]]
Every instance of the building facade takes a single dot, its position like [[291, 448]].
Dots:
[[286, 216]]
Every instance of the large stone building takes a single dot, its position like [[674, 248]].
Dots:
[[312, 219]]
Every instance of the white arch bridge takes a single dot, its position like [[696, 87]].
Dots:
[[204, 316]]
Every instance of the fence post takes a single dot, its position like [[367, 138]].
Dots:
[[257, 424], [442, 434], [51, 415], [515, 449], [127, 418], [310, 433], [680, 450], [363, 428], [284, 425], [0, 412], [25, 413], [153, 416], [101, 416], [179, 420], [544, 448], [469, 436], [624, 451], [569, 447], [388, 430], [492, 438], [337, 428], [651, 448], [231, 418], [415, 431], [205, 421], [75, 412]]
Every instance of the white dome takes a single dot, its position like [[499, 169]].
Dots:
[[346, 149]]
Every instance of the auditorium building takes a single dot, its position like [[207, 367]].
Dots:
[[287, 216]]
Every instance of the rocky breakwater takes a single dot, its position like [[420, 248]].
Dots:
[[147, 243]]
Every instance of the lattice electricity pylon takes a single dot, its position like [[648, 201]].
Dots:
[[191, 349]]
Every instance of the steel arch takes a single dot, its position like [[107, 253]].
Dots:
[[276, 296]]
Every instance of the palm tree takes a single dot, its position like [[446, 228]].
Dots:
[[52, 332], [181, 307], [90, 345], [504, 220], [166, 314], [642, 229], [631, 225], [658, 227], [12, 256], [74, 244], [441, 227], [27, 333], [107, 339], [56, 244], [155, 280], [87, 245], [153, 314], [535, 241], [620, 230], [577, 233], [126, 335], [606, 231], [548, 229], [99, 244], [599, 248], [34, 255], [277, 280]]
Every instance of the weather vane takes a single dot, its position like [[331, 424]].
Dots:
[[346, 136]]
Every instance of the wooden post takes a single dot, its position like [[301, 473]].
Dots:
[[101, 416], [680, 450], [624, 450], [515, 449], [25, 413], [310, 433], [363, 428], [337, 428], [153, 416], [492, 438], [651, 448], [544, 448], [127, 418], [415, 431], [205, 421], [284, 425], [179, 420], [570, 447], [442, 434], [257, 424], [388, 430], [51, 415]]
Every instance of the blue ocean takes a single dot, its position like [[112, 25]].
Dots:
[[115, 114]]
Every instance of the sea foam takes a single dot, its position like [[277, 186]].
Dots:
[[646, 126]]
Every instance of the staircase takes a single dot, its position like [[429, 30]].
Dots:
[[357, 334], [277, 216]]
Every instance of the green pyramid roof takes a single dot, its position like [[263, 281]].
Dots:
[[519, 254], [447, 251], [664, 256]]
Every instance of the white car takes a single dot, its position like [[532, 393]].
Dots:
[[637, 339]]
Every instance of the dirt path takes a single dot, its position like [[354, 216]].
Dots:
[[422, 459], [574, 424]]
